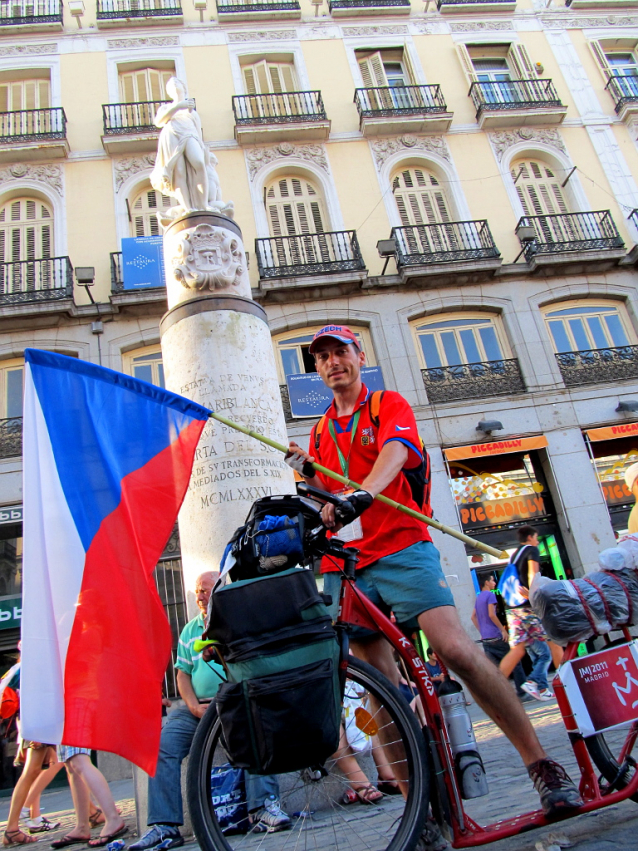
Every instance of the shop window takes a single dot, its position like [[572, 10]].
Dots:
[[144, 84], [11, 388], [292, 355], [459, 340], [612, 453], [26, 230], [582, 327], [294, 207], [420, 198], [146, 364], [18, 95], [538, 188], [143, 210]]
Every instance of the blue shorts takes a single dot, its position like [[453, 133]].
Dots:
[[407, 583]]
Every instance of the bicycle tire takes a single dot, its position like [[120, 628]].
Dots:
[[394, 824], [605, 761]]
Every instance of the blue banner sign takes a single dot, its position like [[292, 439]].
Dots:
[[142, 262], [309, 396]]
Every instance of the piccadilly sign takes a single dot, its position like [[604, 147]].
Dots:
[[494, 512]]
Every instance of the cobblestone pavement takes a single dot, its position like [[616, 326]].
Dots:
[[510, 792]]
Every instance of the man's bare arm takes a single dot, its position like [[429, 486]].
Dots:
[[185, 688]]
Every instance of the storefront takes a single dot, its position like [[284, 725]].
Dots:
[[497, 488], [613, 449]]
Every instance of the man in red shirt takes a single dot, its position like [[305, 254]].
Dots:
[[399, 567]]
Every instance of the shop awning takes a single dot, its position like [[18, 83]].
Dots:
[[495, 447], [612, 432]]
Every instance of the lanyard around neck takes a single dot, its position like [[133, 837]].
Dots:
[[345, 462]]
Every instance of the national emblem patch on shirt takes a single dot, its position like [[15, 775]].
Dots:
[[367, 436]]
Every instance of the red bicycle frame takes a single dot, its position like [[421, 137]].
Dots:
[[356, 609]]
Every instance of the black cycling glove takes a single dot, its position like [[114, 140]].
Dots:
[[353, 506]]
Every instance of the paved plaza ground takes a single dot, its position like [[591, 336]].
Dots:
[[510, 792]]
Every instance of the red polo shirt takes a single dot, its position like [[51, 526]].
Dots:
[[385, 530]]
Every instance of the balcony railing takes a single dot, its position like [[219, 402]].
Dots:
[[473, 380], [514, 94], [36, 280], [569, 232], [399, 100], [367, 4], [623, 89], [117, 279], [241, 7], [475, 3], [11, 437], [111, 9], [16, 12], [310, 254], [598, 366], [280, 108], [32, 125], [444, 243], [119, 118]]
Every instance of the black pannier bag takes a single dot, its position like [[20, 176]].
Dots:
[[280, 710]]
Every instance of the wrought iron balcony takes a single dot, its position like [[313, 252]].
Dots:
[[122, 118], [117, 279], [419, 245], [36, 280], [257, 8], [279, 108], [568, 232], [399, 100], [11, 437], [30, 125], [624, 90], [114, 9], [473, 380], [310, 254], [346, 7], [465, 6], [25, 12], [598, 366], [514, 95]]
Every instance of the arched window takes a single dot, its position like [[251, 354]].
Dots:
[[294, 207], [454, 340], [583, 326], [292, 355], [26, 230], [144, 209], [146, 364], [538, 188], [420, 197]]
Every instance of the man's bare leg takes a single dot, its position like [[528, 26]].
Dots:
[[490, 688]]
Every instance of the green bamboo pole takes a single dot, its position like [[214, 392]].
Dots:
[[447, 530]]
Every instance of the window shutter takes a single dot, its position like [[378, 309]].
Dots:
[[276, 83], [141, 85], [538, 189], [4, 98], [288, 76], [155, 87], [521, 61], [372, 72], [30, 94], [466, 63], [425, 206], [304, 216], [16, 97], [127, 88], [145, 205], [44, 94], [601, 59], [250, 81], [263, 82]]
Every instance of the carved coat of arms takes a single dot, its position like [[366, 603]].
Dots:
[[208, 258]]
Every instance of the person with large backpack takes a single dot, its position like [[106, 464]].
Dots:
[[399, 567]]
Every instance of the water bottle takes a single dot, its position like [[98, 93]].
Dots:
[[470, 772]]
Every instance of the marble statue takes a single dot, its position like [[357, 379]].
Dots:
[[184, 167]]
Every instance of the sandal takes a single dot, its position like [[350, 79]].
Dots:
[[109, 837], [17, 837], [69, 840], [388, 787], [365, 794], [97, 818]]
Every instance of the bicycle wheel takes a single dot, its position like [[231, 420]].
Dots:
[[605, 748], [314, 797]]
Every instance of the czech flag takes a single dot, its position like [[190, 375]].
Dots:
[[107, 460]]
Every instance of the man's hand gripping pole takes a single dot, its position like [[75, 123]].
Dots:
[[430, 521]]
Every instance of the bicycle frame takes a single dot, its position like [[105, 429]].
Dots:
[[356, 609]]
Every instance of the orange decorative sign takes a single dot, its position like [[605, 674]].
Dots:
[[616, 492], [495, 447], [495, 512], [612, 432]]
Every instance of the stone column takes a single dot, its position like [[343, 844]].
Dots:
[[217, 350]]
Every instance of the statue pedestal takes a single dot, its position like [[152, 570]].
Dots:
[[217, 350]]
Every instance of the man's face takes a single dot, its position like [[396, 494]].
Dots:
[[533, 539], [203, 587], [490, 584], [338, 364]]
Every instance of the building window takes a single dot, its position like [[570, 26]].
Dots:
[[146, 364], [269, 77], [18, 95], [292, 355], [144, 209], [420, 198], [384, 68], [26, 230], [459, 340], [581, 327], [497, 64], [144, 85], [294, 206], [11, 385], [538, 188]]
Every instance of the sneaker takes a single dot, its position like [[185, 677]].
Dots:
[[166, 834], [524, 697], [270, 818], [555, 787], [42, 825], [431, 838], [531, 688], [546, 694]]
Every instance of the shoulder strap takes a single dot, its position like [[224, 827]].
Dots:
[[374, 406], [518, 553], [318, 429]]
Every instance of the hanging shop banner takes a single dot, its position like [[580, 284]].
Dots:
[[10, 514], [10, 612], [496, 447], [142, 262], [612, 432], [493, 512], [309, 396]]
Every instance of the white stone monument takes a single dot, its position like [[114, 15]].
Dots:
[[216, 344]]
